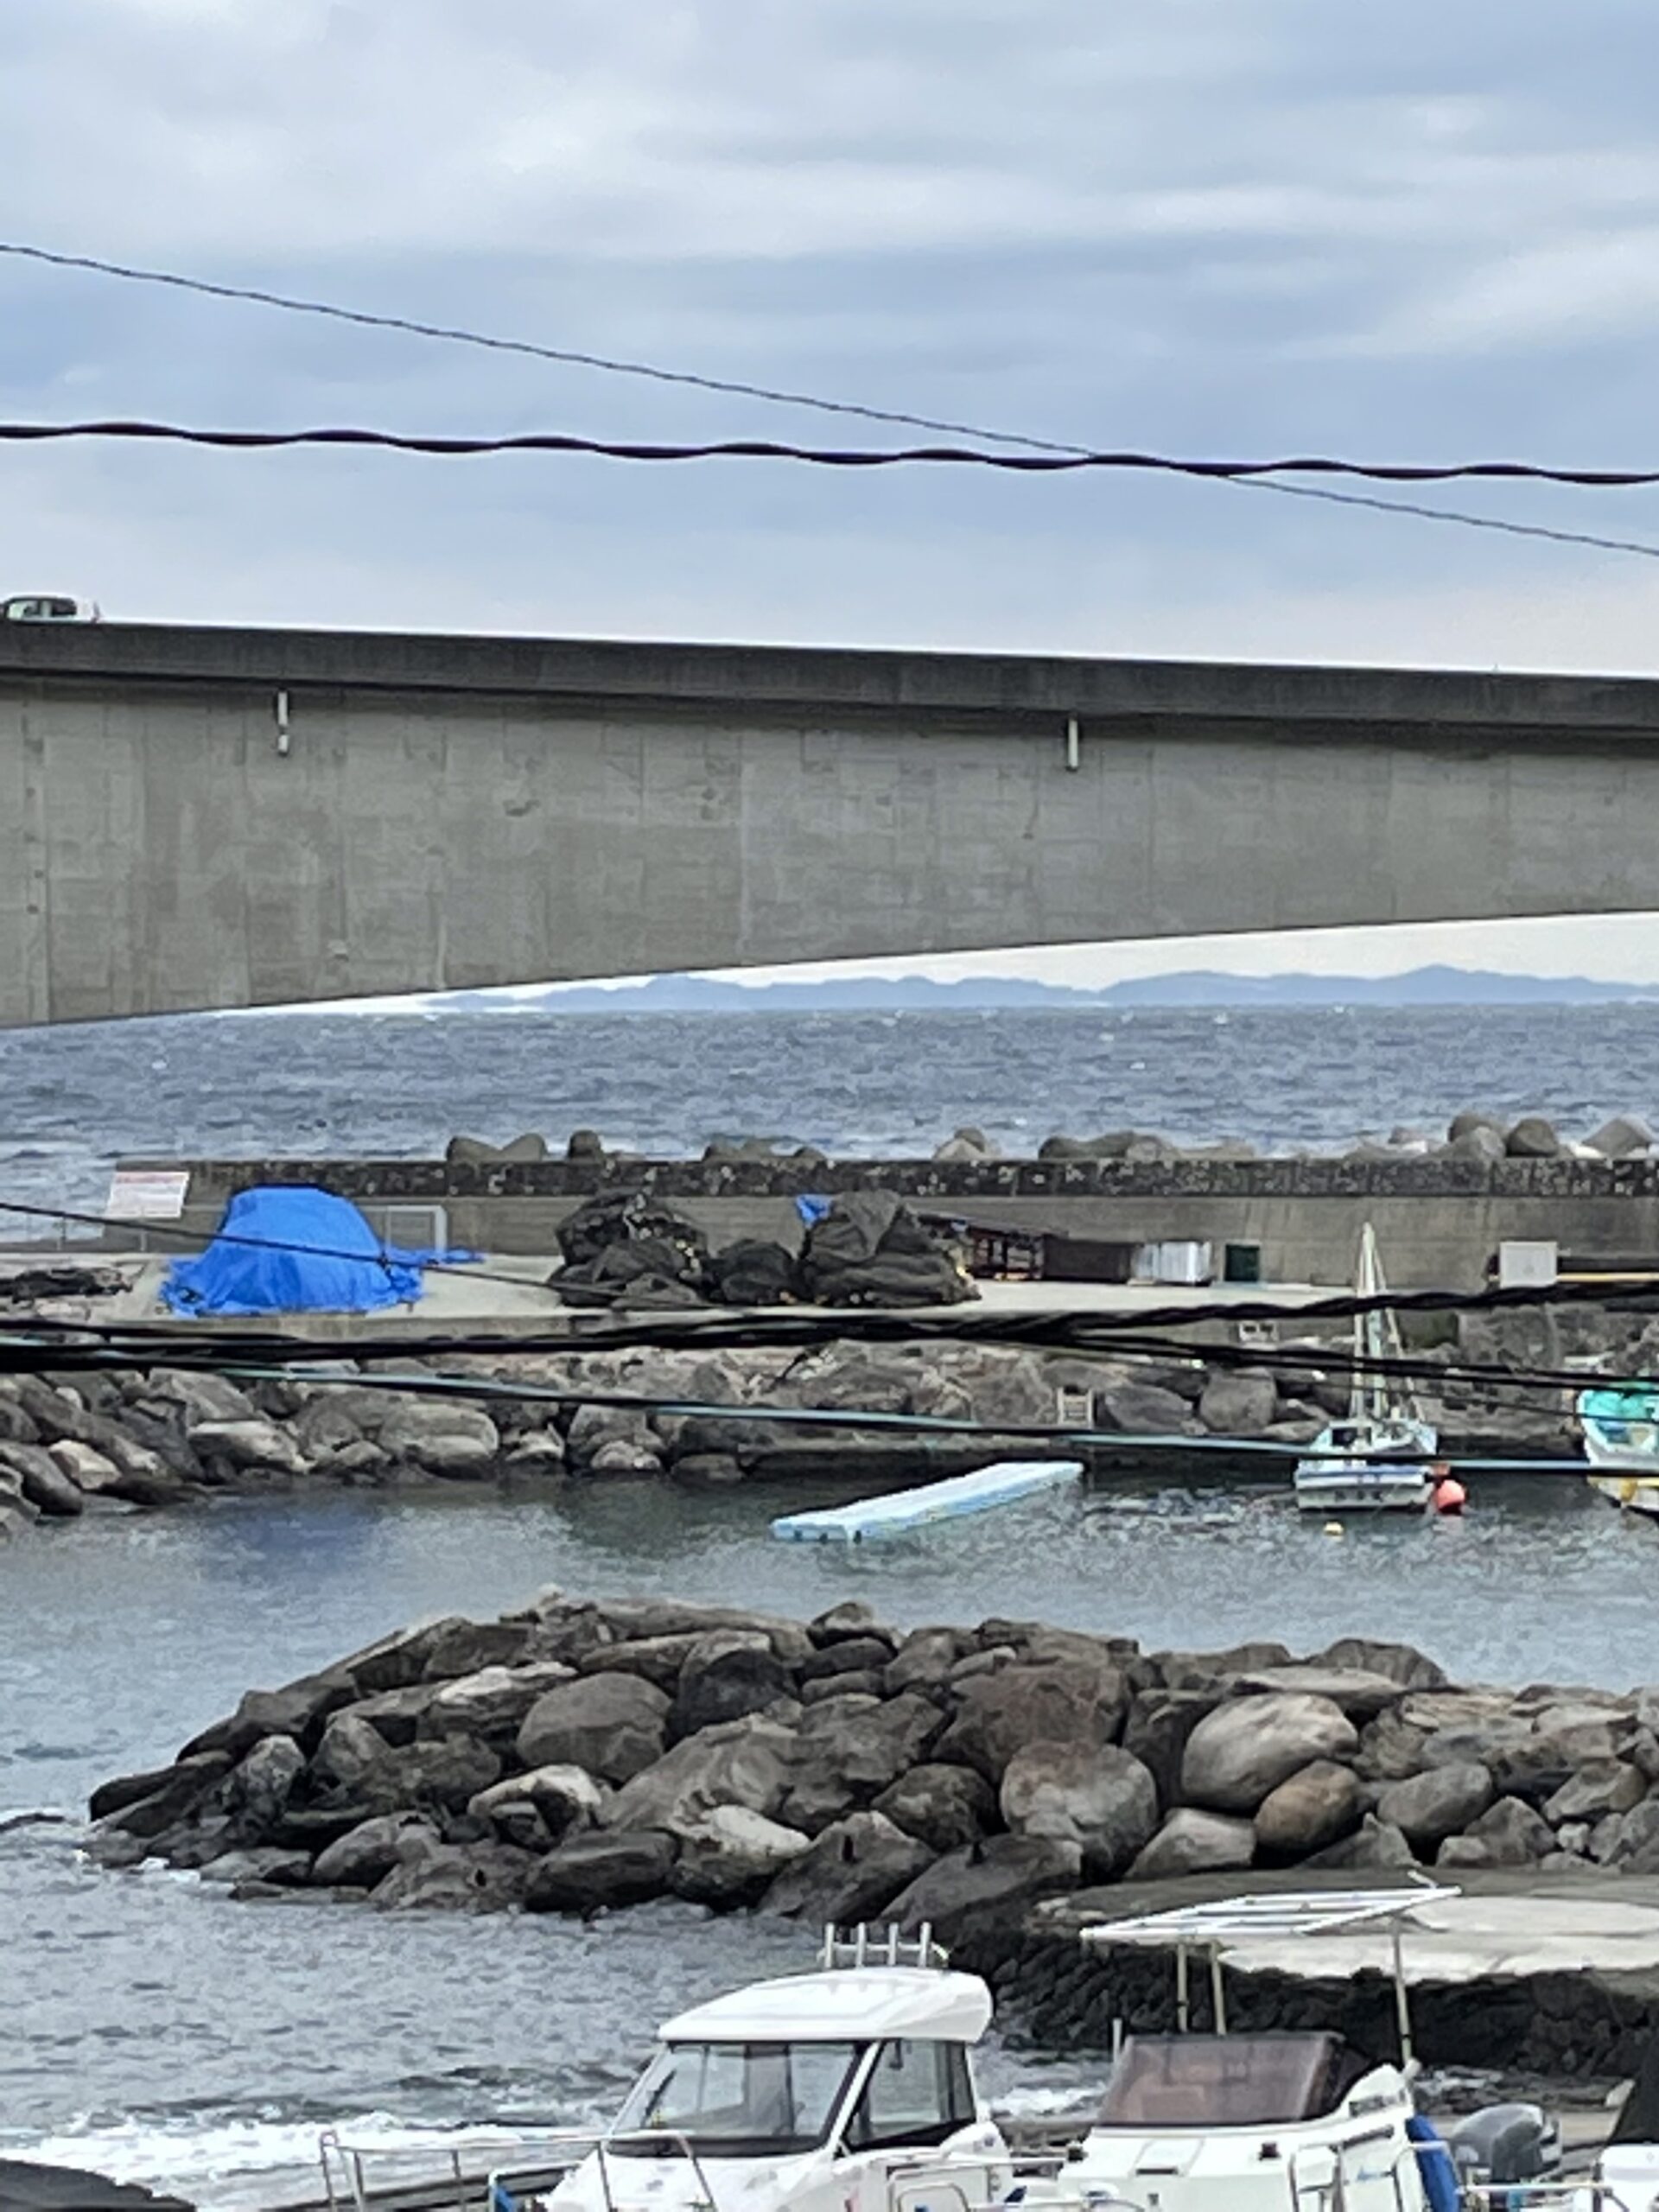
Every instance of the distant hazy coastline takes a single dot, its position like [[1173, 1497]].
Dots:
[[1419, 987]]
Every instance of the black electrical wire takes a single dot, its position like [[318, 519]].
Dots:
[[1026, 464], [772, 395]]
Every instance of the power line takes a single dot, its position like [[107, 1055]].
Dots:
[[1033, 464], [568, 357], [452, 333]]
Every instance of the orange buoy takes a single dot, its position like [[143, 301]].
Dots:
[[1449, 1495]]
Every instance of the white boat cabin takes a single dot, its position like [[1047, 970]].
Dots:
[[1251, 2123], [846, 2090]]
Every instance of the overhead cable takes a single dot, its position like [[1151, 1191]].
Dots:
[[1022, 464], [452, 333]]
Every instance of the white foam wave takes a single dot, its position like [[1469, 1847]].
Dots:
[[212, 2162]]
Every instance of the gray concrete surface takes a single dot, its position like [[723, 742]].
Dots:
[[195, 817]]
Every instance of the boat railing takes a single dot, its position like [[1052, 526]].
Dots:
[[505, 2187], [432, 2174], [864, 1946]]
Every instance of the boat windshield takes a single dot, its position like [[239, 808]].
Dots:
[[735, 2100], [1165, 2082]]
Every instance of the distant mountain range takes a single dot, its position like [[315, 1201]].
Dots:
[[1421, 987]]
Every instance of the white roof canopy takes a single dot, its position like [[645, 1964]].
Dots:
[[1227, 1921], [847, 2004]]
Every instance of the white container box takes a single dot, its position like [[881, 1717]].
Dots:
[[1526, 1263]]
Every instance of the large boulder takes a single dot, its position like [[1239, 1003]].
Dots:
[[1096, 1796], [1375, 1847], [442, 1435], [1000, 1714], [48, 1487], [1357, 1692], [728, 1672], [1511, 1834], [1194, 1842], [614, 1725], [744, 1762], [1311, 1810], [601, 1871], [1401, 1663], [997, 1879], [454, 1877], [565, 1798], [1442, 1801], [440, 1776], [924, 1660], [943, 1806], [147, 1803], [366, 1854], [1158, 1723], [258, 1791], [1239, 1403], [850, 1746], [849, 1873], [1601, 1787], [253, 1446], [732, 1855], [1144, 1409], [493, 1703], [1247, 1747]]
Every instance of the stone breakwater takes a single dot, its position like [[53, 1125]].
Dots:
[[575, 1757], [165, 1437]]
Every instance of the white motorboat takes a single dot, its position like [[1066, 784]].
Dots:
[[846, 2090], [1620, 1425], [1288, 2122], [1381, 1456]]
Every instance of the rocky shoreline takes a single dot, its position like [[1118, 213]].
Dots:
[[166, 1437], [576, 1757]]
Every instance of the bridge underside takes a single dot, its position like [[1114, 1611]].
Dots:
[[199, 818]]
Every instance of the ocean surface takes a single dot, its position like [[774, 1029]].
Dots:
[[153, 2028], [872, 1086]]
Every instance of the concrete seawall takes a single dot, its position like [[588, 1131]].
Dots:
[[1438, 1220]]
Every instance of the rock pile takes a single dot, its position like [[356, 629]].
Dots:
[[164, 1437], [579, 1756]]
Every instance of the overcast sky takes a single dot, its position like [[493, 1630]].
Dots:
[[1203, 226]]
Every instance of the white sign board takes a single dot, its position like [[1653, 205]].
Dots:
[[1526, 1263], [145, 1194]]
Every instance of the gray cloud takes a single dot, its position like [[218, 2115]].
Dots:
[[1201, 223]]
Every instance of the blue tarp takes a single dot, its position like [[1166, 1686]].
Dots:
[[300, 1250]]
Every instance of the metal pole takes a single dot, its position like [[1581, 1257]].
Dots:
[[1183, 2008], [1218, 1995], [1402, 2002]]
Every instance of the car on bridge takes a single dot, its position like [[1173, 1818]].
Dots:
[[37, 606]]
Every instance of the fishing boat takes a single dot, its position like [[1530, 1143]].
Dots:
[[1380, 1456], [1620, 1425]]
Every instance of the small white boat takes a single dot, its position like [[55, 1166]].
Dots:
[[1381, 1456], [849, 2087], [1620, 1425]]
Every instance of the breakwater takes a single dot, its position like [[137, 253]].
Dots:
[[576, 1756], [1440, 1210]]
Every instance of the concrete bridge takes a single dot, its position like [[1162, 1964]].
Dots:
[[218, 818]]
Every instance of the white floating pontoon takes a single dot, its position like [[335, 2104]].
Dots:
[[911, 1509]]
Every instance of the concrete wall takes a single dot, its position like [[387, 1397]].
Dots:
[[439, 813], [1437, 1221]]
